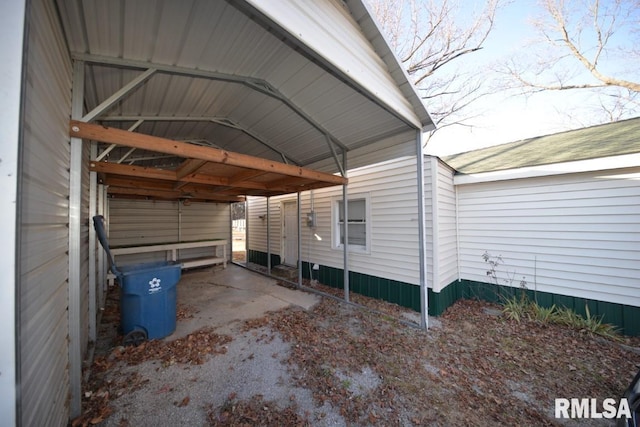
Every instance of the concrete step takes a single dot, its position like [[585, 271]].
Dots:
[[284, 271]]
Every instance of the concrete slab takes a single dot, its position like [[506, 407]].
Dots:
[[216, 297]]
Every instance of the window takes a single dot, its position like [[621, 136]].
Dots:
[[357, 224]]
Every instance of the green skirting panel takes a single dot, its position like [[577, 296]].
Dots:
[[626, 317], [401, 293], [260, 258]]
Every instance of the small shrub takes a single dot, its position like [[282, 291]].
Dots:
[[515, 308], [518, 308], [543, 314]]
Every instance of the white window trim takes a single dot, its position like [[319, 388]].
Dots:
[[335, 228]]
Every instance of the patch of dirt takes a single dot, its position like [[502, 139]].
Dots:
[[475, 368]]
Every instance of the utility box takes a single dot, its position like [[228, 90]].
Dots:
[[147, 294]]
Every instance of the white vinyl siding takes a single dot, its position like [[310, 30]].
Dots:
[[44, 385], [575, 235], [146, 222], [447, 228], [257, 223], [391, 187]]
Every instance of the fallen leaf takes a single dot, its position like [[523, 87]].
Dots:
[[183, 402]]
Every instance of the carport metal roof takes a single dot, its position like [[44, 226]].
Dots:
[[291, 82]]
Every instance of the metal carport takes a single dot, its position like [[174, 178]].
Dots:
[[298, 84]]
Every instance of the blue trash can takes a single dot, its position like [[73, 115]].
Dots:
[[147, 295]]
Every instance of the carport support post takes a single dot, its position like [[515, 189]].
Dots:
[[75, 217], [345, 216], [12, 22], [299, 242], [93, 207], [268, 239], [424, 298]]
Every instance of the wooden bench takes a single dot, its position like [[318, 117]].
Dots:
[[172, 249]]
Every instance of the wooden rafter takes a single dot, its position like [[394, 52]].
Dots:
[[206, 173], [182, 149]]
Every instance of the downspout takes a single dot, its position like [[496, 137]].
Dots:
[[455, 191], [345, 216], [424, 297], [435, 214]]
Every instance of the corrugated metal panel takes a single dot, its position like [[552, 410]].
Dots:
[[146, 222], [44, 263], [215, 36], [330, 30], [204, 221], [391, 188], [142, 222], [576, 235], [447, 227], [377, 152]]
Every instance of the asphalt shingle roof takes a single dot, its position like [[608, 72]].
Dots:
[[611, 139]]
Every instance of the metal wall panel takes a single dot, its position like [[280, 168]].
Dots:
[[44, 263], [204, 221], [143, 222]]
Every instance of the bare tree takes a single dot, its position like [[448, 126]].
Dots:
[[432, 38], [587, 45]]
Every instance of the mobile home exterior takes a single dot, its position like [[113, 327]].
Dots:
[[565, 224]]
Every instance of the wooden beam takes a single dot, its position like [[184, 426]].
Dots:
[[182, 149], [171, 195], [245, 175], [188, 167], [168, 175], [132, 170]]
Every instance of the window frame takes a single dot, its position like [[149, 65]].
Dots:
[[336, 227]]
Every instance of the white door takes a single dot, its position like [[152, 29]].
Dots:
[[290, 234]]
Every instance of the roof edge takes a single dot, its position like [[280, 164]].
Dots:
[[591, 165]]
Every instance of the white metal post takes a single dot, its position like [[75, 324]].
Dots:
[[345, 216], [93, 208], [424, 298], [299, 263], [102, 261], [12, 23], [268, 238], [75, 215]]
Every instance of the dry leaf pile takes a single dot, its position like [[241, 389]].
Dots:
[[256, 412], [477, 369], [193, 349]]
